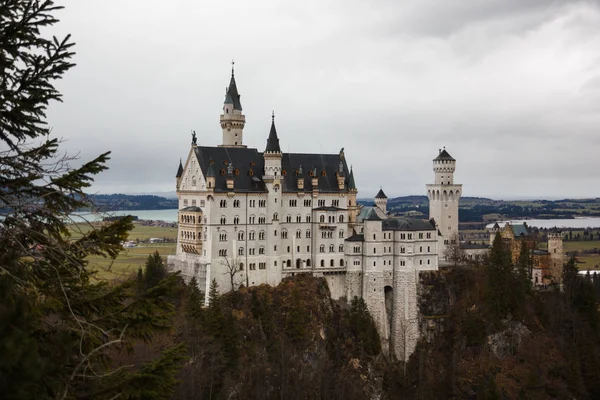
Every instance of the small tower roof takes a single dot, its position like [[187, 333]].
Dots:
[[273, 140], [179, 170], [211, 169], [444, 155], [232, 96], [351, 184], [381, 195]]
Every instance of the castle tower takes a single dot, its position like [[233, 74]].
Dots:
[[444, 196], [381, 201], [232, 119], [272, 154], [555, 248]]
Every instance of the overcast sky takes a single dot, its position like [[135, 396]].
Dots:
[[510, 87]]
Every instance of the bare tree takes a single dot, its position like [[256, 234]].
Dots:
[[232, 265]]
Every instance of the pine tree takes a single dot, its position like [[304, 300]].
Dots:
[[498, 281], [59, 326], [155, 270]]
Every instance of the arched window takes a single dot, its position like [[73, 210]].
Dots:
[[322, 263], [261, 235], [322, 218], [261, 250], [223, 237], [308, 262], [331, 248], [298, 234], [275, 217], [341, 249], [289, 263], [341, 262], [341, 233], [236, 220], [322, 248], [341, 218], [307, 233], [223, 220], [241, 251], [241, 235]]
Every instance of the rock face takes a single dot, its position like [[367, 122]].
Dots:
[[433, 298], [506, 343]]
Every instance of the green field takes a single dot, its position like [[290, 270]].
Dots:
[[581, 245], [130, 259]]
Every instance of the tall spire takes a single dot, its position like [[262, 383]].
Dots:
[[179, 170], [273, 140], [231, 95], [351, 184]]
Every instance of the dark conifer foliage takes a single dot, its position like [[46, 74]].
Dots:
[[60, 326]]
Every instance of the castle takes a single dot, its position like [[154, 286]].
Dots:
[[248, 218]]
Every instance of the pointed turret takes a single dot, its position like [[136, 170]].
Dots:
[[232, 119], [381, 200], [179, 170], [273, 140], [351, 184], [211, 175]]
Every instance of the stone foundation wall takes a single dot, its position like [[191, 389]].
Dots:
[[405, 318], [353, 285], [190, 266]]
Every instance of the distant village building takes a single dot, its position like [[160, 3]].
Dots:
[[547, 264], [263, 216]]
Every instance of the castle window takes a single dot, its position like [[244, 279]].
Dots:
[[275, 216], [293, 203], [322, 218], [251, 173], [341, 234], [236, 220], [428, 249], [241, 251], [284, 234], [288, 218], [322, 248], [237, 171], [262, 220], [335, 203], [420, 249], [341, 248], [298, 234], [222, 171], [223, 203], [321, 203], [420, 262], [341, 262], [241, 266], [298, 218], [284, 172], [323, 173], [374, 237], [241, 235], [308, 218], [308, 262], [307, 234], [374, 250], [223, 220], [251, 235], [185, 203], [322, 263], [331, 248], [251, 219], [308, 249], [261, 250], [420, 235], [428, 235], [331, 263], [261, 235], [341, 218], [236, 204], [289, 249]]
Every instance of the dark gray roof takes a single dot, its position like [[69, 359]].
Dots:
[[404, 224], [191, 209], [380, 195], [273, 140], [538, 252], [246, 160], [356, 238], [232, 95], [444, 156], [351, 184], [179, 170], [520, 230], [329, 208], [474, 246]]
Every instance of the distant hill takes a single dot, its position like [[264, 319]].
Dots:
[[119, 201]]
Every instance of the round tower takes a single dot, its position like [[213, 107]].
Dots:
[[381, 201], [444, 197], [232, 119]]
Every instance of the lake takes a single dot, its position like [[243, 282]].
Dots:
[[580, 223], [155, 215]]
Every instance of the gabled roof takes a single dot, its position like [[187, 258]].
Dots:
[[444, 156], [249, 169], [380, 195], [273, 140], [232, 96], [520, 230], [179, 170]]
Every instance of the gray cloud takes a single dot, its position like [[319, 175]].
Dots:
[[511, 88]]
